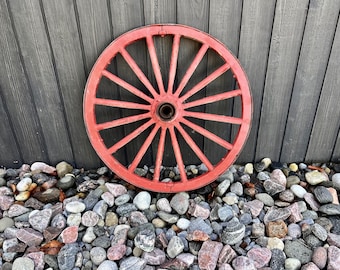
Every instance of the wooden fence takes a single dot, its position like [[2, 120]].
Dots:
[[289, 49]]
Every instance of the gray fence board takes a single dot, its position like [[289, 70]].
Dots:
[[17, 94], [283, 56], [288, 49], [257, 22], [36, 52], [325, 133], [224, 24], [63, 31], [316, 45], [10, 153]]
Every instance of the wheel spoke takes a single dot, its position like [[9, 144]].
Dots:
[[143, 149], [195, 148], [208, 134], [215, 117], [123, 121], [160, 153], [126, 86], [212, 99], [121, 104], [178, 154], [155, 64], [218, 72], [113, 149], [139, 73], [192, 68], [173, 62]]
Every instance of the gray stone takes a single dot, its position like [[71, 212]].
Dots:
[[124, 210], [122, 199], [278, 259], [323, 195], [330, 209], [100, 208], [98, 255], [222, 187], [175, 247], [169, 218], [67, 256], [132, 263], [265, 198], [299, 250], [199, 225], [319, 232], [225, 213], [5, 223], [237, 188], [66, 182], [233, 232], [145, 240], [155, 257], [180, 202], [107, 265]]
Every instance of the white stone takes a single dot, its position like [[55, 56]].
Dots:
[[230, 198], [249, 168], [183, 223], [23, 263], [89, 235], [73, 219], [142, 200], [274, 242], [75, 207], [24, 184], [292, 264], [298, 191]]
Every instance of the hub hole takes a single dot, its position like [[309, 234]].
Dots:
[[166, 111]]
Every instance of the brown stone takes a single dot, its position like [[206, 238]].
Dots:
[[48, 196], [277, 229]]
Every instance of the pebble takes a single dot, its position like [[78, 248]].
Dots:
[[154, 257], [333, 258], [5, 223], [142, 200], [299, 250], [107, 265], [175, 247], [265, 198], [275, 243], [330, 209], [132, 263], [315, 177], [319, 257], [243, 263], [89, 219], [98, 255], [43, 167], [63, 168], [292, 264], [222, 187], [180, 202], [116, 189], [163, 204], [233, 232], [323, 195], [260, 256], [209, 254], [277, 229], [23, 263], [298, 191], [278, 260]]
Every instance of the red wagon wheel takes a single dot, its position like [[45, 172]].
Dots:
[[166, 111]]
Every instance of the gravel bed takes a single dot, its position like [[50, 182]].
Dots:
[[266, 215]]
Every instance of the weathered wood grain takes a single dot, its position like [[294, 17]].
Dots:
[[256, 26], [127, 15], [194, 13], [67, 51], [285, 46], [9, 152], [17, 95], [37, 58], [224, 24], [324, 143], [316, 46]]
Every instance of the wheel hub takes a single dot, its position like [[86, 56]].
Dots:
[[166, 112]]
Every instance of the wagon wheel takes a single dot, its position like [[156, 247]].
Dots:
[[167, 110]]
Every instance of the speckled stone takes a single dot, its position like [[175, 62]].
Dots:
[[175, 247], [260, 256], [89, 219], [277, 229], [180, 202], [333, 258], [299, 250], [23, 263], [320, 257], [208, 254], [243, 263]]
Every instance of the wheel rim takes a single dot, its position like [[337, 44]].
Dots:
[[166, 110]]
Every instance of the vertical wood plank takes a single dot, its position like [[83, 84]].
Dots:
[[159, 11], [96, 33], [285, 45], [66, 47], [256, 27], [127, 15], [316, 46], [194, 13], [37, 59], [10, 155], [16, 94], [325, 138], [224, 24]]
